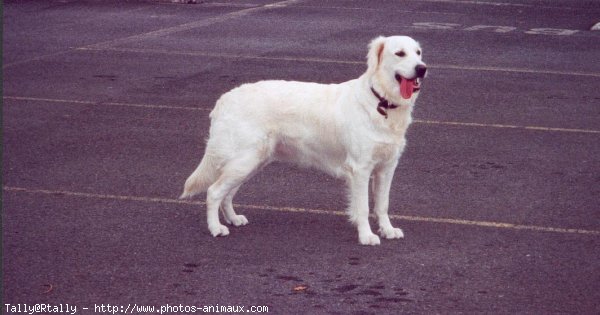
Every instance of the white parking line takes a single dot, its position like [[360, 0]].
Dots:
[[537, 128], [488, 224], [36, 58], [55, 100], [165, 31], [219, 55], [329, 60], [190, 25], [517, 70], [206, 109], [487, 3]]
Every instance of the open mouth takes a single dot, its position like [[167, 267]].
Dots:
[[408, 86]]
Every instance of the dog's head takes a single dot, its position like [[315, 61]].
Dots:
[[396, 67]]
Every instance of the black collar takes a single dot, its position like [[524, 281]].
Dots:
[[383, 104]]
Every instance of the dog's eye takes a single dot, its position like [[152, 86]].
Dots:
[[418, 52], [401, 53]]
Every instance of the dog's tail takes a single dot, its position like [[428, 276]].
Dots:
[[205, 174]]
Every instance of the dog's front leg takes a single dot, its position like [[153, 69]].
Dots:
[[359, 208], [382, 182]]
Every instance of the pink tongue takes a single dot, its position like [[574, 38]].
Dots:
[[406, 88]]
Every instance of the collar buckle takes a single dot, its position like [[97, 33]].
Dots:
[[383, 104]]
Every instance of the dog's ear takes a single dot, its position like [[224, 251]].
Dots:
[[375, 51]]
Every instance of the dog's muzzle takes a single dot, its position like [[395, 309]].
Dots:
[[412, 85]]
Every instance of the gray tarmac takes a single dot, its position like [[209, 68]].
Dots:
[[105, 111]]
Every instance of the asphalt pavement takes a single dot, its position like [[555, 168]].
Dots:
[[105, 113]]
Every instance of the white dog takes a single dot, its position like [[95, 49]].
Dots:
[[353, 130]]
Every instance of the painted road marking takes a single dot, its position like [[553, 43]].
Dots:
[[190, 25], [537, 6], [537, 128], [516, 70], [70, 49], [249, 9], [164, 31], [206, 109], [221, 55], [489, 224], [329, 60], [498, 4], [54, 100], [496, 28], [36, 58]]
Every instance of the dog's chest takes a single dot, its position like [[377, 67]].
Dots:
[[389, 143], [386, 152], [391, 140]]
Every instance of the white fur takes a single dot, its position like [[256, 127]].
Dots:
[[335, 128]]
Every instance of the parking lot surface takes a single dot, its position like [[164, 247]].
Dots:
[[105, 114]]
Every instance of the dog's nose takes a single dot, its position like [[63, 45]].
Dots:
[[420, 70]]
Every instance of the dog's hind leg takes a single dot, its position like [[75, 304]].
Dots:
[[233, 175], [227, 209]]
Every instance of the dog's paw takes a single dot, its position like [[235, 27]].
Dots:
[[369, 239], [218, 230], [391, 233], [238, 220]]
